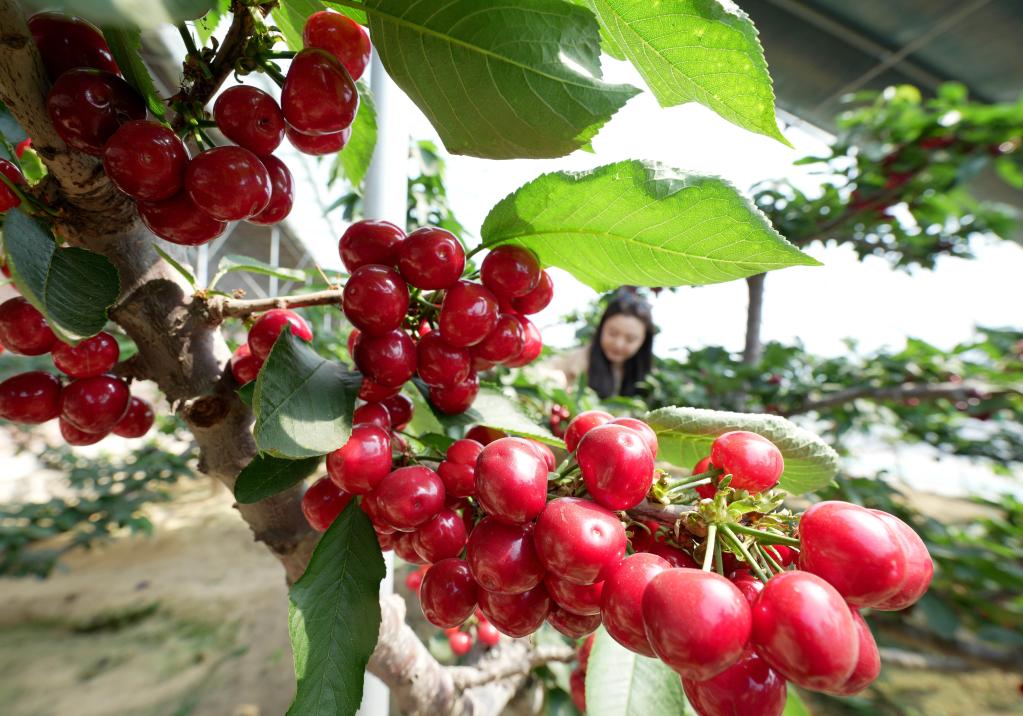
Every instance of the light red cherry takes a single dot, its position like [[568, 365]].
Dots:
[[250, 118], [146, 160], [621, 604], [372, 414], [617, 466], [319, 96], [749, 688], [644, 431], [323, 502], [406, 549], [8, 199], [919, 565], [370, 242], [868, 660], [90, 357], [32, 397], [95, 404], [458, 469], [579, 541], [574, 626], [582, 424], [532, 344], [576, 598], [442, 537], [244, 366], [753, 461], [511, 481], [137, 421], [23, 329], [502, 557], [409, 497], [673, 555], [341, 36], [537, 299], [363, 461], [268, 327]]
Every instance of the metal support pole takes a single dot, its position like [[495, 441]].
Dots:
[[275, 257]]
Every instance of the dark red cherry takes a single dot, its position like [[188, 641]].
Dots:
[[440, 363], [32, 397], [67, 43], [87, 106], [577, 686], [745, 582], [516, 615], [468, 314], [245, 366], [617, 466], [267, 327], [404, 548], [502, 557], [457, 398], [375, 299], [537, 299], [753, 461], [401, 409], [532, 344], [341, 36], [484, 435], [644, 431], [228, 183], [146, 160], [582, 424], [318, 145], [282, 193], [748, 688], [319, 96], [374, 392], [95, 404], [511, 481], [458, 470], [8, 199], [76, 437], [919, 565], [431, 258], [448, 593], [621, 603], [370, 242], [504, 342], [360, 464], [409, 497], [673, 555], [510, 271], [868, 660], [250, 118], [91, 357], [388, 359], [579, 541], [373, 414], [574, 626], [323, 502], [575, 598], [137, 421], [442, 537], [23, 329], [180, 221]]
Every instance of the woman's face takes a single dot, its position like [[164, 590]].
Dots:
[[622, 337]]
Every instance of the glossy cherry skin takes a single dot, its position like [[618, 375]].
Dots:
[[853, 550], [511, 481], [516, 615], [543, 451], [583, 599], [319, 96], [404, 548], [244, 366], [448, 593], [23, 329], [457, 398], [617, 466], [228, 183], [8, 199], [753, 461], [504, 342], [868, 660], [323, 502], [484, 435], [532, 344], [318, 145], [95, 404], [360, 464], [574, 626], [440, 363], [374, 414], [458, 469], [673, 555], [431, 258], [137, 421], [579, 541], [180, 221], [67, 43], [487, 634], [87, 106], [582, 424], [375, 299], [537, 299], [268, 326], [621, 602], [78, 438], [341, 36], [803, 629], [510, 271], [781, 554], [250, 118], [749, 585], [146, 160], [388, 359], [919, 565], [91, 357], [749, 688], [468, 314], [644, 430], [370, 242], [374, 392], [502, 557], [282, 193], [697, 622], [400, 408], [32, 397], [460, 643], [409, 497], [442, 537]]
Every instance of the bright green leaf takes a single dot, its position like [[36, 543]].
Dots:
[[32, 166], [794, 705], [125, 43], [245, 393], [207, 25], [641, 224], [290, 17], [356, 155], [176, 265], [267, 475], [128, 13], [607, 43]]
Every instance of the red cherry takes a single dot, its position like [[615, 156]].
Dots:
[[375, 299], [67, 43], [404, 548], [180, 221], [504, 342], [803, 629], [146, 160], [582, 424], [753, 461], [516, 615], [574, 626], [32, 397], [460, 642], [457, 398], [87, 106], [250, 118], [409, 497], [577, 685], [370, 242], [22, 146], [579, 541], [511, 481], [672, 555], [919, 566], [532, 344], [745, 582], [373, 392], [868, 661], [319, 96], [372, 414], [388, 359], [244, 366], [400, 408], [448, 593], [76, 437], [621, 604], [468, 314], [353, 339], [484, 435], [440, 363], [267, 327], [458, 470], [510, 271], [23, 329], [537, 299], [137, 421], [318, 145], [8, 199], [576, 598], [781, 554], [323, 502], [342, 37], [442, 537], [749, 688], [641, 539], [617, 466], [431, 258], [282, 193], [542, 451], [414, 579], [644, 430], [360, 464], [502, 557], [95, 404], [228, 183], [584, 652], [90, 357], [487, 634], [706, 492]]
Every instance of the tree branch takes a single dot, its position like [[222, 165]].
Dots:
[[918, 391], [220, 307], [754, 318], [509, 664]]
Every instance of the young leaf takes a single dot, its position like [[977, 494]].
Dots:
[[290, 16], [125, 43], [794, 705], [356, 155], [207, 24], [232, 263], [267, 475], [177, 266], [641, 224], [334, 619], [685, 436], [118, 13], [454, 58]]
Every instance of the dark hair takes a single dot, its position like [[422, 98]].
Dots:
[[600, 376]]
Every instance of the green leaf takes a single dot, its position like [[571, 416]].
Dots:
[[267, 475], [290, 16], [489, 94], [71, 286], [177, 266], [696, 51], [358, 15], [128, 13], [245, 393], [641, 224], [622, 683], [794, 705], [125, 43], [685, 436], [607, 43], [207, 25], [233, 263], [303, 403], [32, 166], [334, 619], [356, 155]]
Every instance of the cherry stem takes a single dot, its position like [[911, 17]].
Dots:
[[719, 560], [280, 55], [766, 537], [193, 51], [27, 199], [772, 563], [676, 489], [474, 251], [274, 72], [709, 546], [737, 543]]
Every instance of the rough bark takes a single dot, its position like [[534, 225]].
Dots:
[[754, 316]]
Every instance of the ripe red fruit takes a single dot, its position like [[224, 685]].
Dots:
[[250, 118], [853, 550], [431, 258], [745, 582], [440, 363], [404, 548], [582, 424], [510, 271], [448, 593], [516, 615], [95, 404], [502, 557], [319, 96], [543, 451], [617, 466], [87, 106], [803, 629], [66, 43], [8, 199], [577, 684], [267, 327], [868, 661], [584, 652], [574, 626], [458, 469], [23, 329], [414, 579], [487, 634], [673, 555], [460, 643], [282, 193], [537, 299], [32, 397], [707, 491], [400, 408], [76, 437], [372, 414], [576, 598], [781, 554], [697, 622], [137, 421], [532, 344], [323, 502], [370, 242], [919, 566], [441, 538], [409, 497], [228, 183], [360, 464], [373, 392], [342, 37], [244, 366], [579, 541], [754, 462], [457, 398], [484, 435], [504, 342], [318, 145], [90, 357], [180, 221], [621, 604], [375, 299], [468, 314], [644, 430], [146, 160], [749, 688], [511, 481], [388, 359]]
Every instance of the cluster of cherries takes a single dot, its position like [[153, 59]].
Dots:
[[460, 638], [92, 405]]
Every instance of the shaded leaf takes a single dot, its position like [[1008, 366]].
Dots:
[[125, 43], [267, 475], [357, 154], [207, 24], [128, 13]]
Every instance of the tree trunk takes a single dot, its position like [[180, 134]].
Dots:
[[754, 313]]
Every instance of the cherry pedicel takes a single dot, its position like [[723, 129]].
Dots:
[[282, 193], [361, 463], [244, 366], [23, 329], [440, 363], [342, 37], [323, 502], [180, 221], [749, 688], [268, 326], [431, 258], [582, 424], [457, 398], [516, 615], [67, 43], [409, 496], [510, 271], [318, 145], [32, 397], [442, 537], [137, 421], [250, 118], [621, 603], [617, 466], [537, 299], [87, 106], [370, 242], [92, 356], [375, 299], [468, 314], [8, 199], [511, 481], [753, 461], [228, 183], [95, 404], [579, 541], [146, 160], [502, 557], [319, 96], [574, 626], [388, 359]]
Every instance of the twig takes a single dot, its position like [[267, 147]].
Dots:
[[220, 307], [467, 677], [919, 391]]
